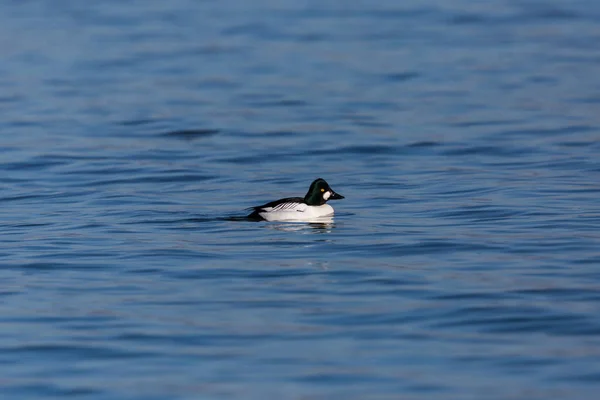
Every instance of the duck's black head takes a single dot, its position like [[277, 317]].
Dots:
[[319, 192]]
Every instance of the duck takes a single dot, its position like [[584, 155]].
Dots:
[[311, 207]]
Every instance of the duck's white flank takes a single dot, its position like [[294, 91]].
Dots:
[[295, 212]]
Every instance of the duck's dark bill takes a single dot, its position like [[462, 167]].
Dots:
[[335, 196]]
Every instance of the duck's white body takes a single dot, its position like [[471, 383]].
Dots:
[[295, 212]]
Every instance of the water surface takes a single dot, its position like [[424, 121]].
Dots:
[[462, 264]]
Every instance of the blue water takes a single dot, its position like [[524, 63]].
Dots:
[[464, 262]]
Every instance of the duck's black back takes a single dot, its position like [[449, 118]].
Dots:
[[272, 204]]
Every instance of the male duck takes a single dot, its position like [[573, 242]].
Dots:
[[309, 208]]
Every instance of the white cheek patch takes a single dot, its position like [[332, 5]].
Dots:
[[326, 195]]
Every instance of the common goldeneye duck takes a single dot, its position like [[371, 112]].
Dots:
[[309, 208]]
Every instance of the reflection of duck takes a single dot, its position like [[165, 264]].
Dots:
[[317, 225], [308, 209]]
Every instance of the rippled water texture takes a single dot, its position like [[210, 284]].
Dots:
[[463, 263]]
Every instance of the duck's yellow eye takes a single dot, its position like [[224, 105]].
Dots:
[[322, 190]]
